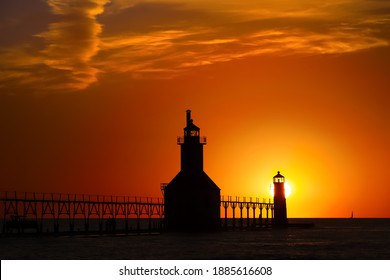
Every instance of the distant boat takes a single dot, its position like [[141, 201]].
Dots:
[[352, 215]]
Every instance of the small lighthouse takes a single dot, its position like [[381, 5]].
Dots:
[[280, 208], [191, 199]]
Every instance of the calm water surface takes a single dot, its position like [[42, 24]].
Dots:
[[328, 239]]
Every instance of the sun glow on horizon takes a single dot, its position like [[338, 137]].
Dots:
[[287, 189]]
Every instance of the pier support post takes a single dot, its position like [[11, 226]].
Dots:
[[225, 206], [234, 205], [261, 216], [247, 215], [241, 206]]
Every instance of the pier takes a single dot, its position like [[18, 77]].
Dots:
[[31, 212], [43, 212]]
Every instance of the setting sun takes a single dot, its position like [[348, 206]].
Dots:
[[287, 189]]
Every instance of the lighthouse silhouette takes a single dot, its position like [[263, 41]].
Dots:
[[191, 199], [280, 207]]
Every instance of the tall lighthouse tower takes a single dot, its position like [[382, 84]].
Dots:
[[192, 199], [280, 208]]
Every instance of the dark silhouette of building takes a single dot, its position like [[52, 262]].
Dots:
[[280, 208], [191, 199]]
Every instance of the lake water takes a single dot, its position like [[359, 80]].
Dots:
[[328, 239]]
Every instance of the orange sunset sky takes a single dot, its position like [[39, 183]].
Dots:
[[93, 94]]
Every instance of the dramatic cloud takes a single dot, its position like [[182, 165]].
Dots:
[[88, 38], [70, 44], [73, 41]]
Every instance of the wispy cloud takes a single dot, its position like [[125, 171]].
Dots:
[[302, 29], [141, 53], [180, 50]]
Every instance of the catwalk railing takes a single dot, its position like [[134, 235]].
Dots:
[[247, 209], [44, 212]]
